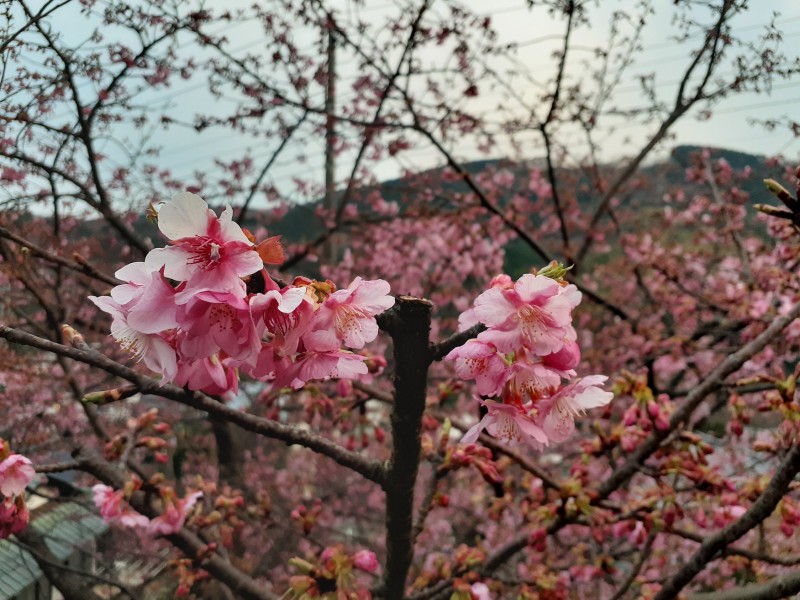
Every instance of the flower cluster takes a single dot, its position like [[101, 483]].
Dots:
[[521, 361], [16, 472], [203, 309], [335, 570], [114, 509]]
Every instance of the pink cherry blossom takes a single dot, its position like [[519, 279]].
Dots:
[[149, 300], [322, 364], [533, 380], [114, 509], [557, 413], [480, 361], [172, 519], [206, 251], [13, 516], [468, 318], [349, 315], [565, 360], [16, 472], [210, 375], [220, 321], [152, 348], [536, 314], [480, 591], [507, 422], [366, 561], [286, 314]]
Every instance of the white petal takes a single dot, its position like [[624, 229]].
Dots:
[[185, 216], [291, 299], [592, 397], [472, 434], [231, 232], [136, 272]]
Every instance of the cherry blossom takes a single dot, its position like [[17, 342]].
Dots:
[[348, 314], [557, 413], [16, 472], [206, 251], [173, 517], [522, 358], [533, 380], [565, 360], [220, 321], [147, 297], [365, 560], [152, 348], [113, 508], [480, 361], [508, 422], [13, 516], [534, 314]]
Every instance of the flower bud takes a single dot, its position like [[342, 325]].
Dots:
[[366, 561]]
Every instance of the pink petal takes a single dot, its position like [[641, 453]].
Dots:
[[291, 299], [535, 287], [174, 259], [365, 331], [532, 430], [592, 397], [492, 308], [473, 433], [350, 366], [372, 296]]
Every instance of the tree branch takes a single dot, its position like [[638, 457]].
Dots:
[[777, 588], [409, 326], [185, 540], [760, 510], [371, 469], [80, 267], [681, 106], [443, 348], [711, 383]]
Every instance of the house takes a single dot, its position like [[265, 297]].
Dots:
[[70, 531]]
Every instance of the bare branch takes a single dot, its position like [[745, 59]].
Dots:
[[760, 510], [371, 469]]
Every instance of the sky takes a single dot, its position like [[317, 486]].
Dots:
[[537, 36]]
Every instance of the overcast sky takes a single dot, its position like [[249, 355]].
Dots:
[[185, 150]]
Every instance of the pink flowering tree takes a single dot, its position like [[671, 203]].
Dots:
[[545, 380]]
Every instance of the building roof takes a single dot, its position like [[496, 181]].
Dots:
[[65, 528]]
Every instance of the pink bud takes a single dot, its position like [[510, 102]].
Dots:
[[565, 359], [662, 422], [366, 561], [538, 539], [502, 281], [344, 387], [480, 591], [653, 409], [327, 554], [631, 415]]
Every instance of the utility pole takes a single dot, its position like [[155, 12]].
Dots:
[[329, 247]]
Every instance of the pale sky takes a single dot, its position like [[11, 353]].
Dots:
[[185, 150]]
